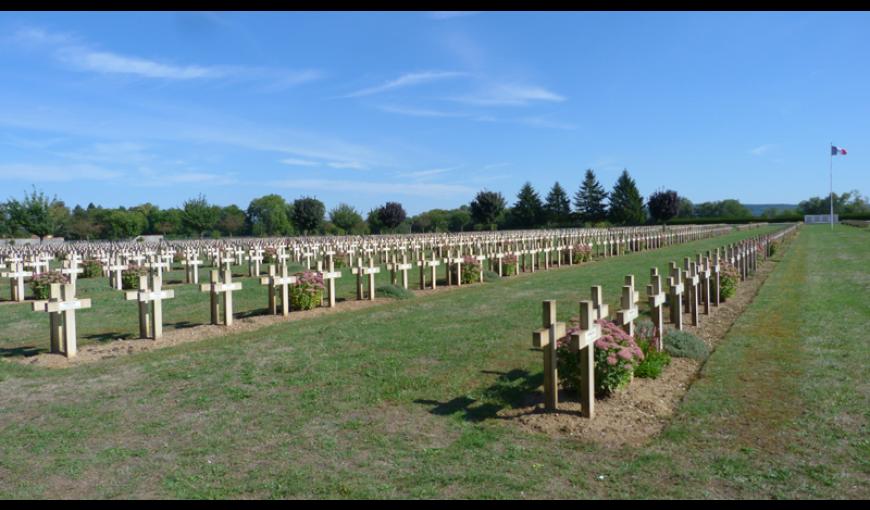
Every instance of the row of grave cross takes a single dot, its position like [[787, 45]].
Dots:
[[62, 302], [698, 280]]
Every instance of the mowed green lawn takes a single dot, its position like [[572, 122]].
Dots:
[[23, 332], [400, 400]]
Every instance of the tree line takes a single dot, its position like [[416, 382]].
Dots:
[[272, 215]]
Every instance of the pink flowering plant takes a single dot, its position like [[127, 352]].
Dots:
[[728, 278], [470, 269], [270, 255], [509, 264], [581, 253], [130, 276], [307, 292], [616, 356], [92, 269], [40, 283]]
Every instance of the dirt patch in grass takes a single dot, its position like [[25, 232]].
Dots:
[[639, 412]]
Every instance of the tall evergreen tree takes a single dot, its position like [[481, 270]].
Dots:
[[528, 211], [558, 206], [486, 207], [589, 199], [626, 202]]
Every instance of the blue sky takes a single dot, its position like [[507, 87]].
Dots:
[[427, 108]]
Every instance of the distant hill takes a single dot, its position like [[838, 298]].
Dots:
[[757, 209]]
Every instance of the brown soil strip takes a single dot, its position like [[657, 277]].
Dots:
[[639, 412]]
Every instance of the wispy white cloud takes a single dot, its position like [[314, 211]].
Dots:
[[27, 172], [495, 165], [510, 95], [543, 122], [761, 149], [112, 63], [377, 188], [158, 123], [80, 56], [419, 112], [442, 15], [355, 165], [421, 174], [407, 80], [299, 162]]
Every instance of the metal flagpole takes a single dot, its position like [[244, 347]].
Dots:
[[832, 185]]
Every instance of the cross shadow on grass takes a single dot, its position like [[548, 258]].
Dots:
[[511, 389], [251, 313], [24, 351], [108, 337], [183, 324]]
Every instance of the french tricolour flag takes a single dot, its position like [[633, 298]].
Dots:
[[837, 150]]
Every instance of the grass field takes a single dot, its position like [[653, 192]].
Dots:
[[400, 400]]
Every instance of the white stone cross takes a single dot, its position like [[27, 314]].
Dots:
[[546, 339], [255, 257], [583, 342], [61, 308], [656, 299], [675, 286], [602, 310], [432, 264], [274, 281], [628, 302], [150, 324], [159, 266], [330, 276], [16, 280], [404, 267], [370, 272], [216, 288], [71, 269], [191, 272], [115, 278]]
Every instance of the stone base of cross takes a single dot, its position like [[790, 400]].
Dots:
[[61, 307]]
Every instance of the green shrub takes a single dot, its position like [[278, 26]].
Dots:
[[728, 278], [682, 344], [653, 361], [340, 259], [470, 270], [307, 292], [509, 264], [394, 291], [270, 255], [92, 269], [774, 246], [581, 253], [490, 275], [130, 277], [40, 284]]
